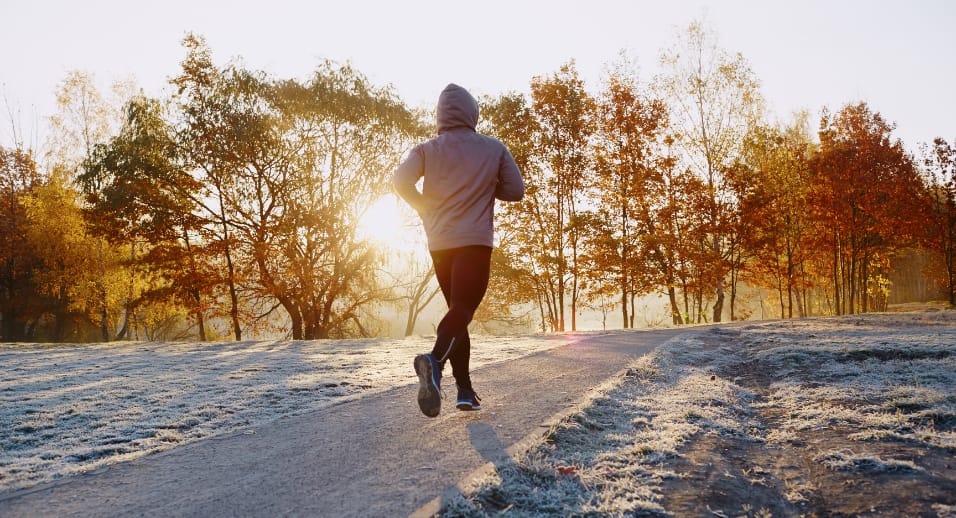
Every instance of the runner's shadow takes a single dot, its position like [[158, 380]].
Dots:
[[486, 442], [488, 445]]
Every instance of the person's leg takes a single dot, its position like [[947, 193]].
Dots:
[[463, 274], [444, 260], [463, 277], [427, 366], [459, 358]]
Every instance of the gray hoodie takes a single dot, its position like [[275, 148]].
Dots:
[[464, 172]]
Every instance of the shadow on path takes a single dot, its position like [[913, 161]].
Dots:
[[492, 450]]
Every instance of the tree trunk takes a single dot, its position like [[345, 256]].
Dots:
[[560, 293], [416, 305], [233, 296], [547, 322], [838, 309], [864, 284], [949, 251], [104, 317], [127, 319], [780, 296], [851, 282], [624, 303], [60, 315], [633, 312], [296, 318], [719, 303], [686, 295], [790, 275], [675, 308], [200, 320], [733, 295]]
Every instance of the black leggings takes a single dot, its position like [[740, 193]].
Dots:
[[463, 276]]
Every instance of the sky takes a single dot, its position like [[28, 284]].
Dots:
[[898, 56]]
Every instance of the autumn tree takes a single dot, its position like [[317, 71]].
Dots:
[[867, 203], [565, 121], [627, 175], [714, 98], [345, 137], [84, 118], [145, 201], [76, 269], [939, 162], [51, 267], [19, 304], [771, 182], [211, 132], [289, 165], [510, 289], [526, 230], [664, 244]]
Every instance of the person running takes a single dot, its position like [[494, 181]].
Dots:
[[464, 172]]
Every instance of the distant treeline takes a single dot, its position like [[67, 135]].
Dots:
[[232, 206]]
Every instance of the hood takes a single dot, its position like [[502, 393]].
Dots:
[[456, 109]]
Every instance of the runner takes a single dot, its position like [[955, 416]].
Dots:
[[464, 173]]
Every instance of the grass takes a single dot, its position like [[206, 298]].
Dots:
[[885, 382]]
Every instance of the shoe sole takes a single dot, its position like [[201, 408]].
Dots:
[[468, 407], [429, 399]]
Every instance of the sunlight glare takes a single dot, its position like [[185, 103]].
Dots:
[[390, 225]]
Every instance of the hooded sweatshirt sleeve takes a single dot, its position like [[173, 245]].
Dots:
[[510, 185], [405, 179]]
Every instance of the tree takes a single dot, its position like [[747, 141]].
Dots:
[[868, 202], [629, 134], [510, 290], [84, 119], [939, 162], [210, 135], [19, 304], [714, 98], [290, 167], [273, 176], [565, 114], [526, 230], [418, 293], [70, 277], [145, 200], [771, 183], [345, 136]]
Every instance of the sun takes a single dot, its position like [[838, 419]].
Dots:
[[390, 225]]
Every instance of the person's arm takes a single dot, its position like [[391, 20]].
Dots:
[[405, 178], [510, 185]]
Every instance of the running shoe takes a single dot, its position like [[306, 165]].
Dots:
[[429, 378], [468, 400]]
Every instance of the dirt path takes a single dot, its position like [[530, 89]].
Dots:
[[376, 456]]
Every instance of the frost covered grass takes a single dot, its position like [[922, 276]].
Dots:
[[751, 410], [71, 408], [843, 461], [890, 377], [611, 458]]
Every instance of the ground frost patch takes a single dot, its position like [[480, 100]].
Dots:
[[841, 416]]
